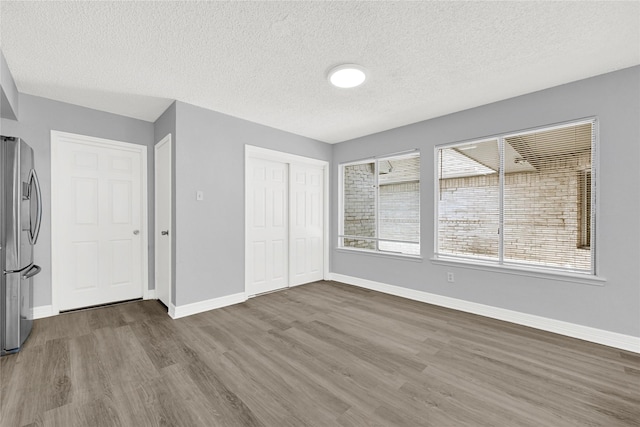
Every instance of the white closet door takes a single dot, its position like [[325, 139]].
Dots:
[[306, 233], [267, 226], [99, 223]]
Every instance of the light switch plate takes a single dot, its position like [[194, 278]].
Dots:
[[199, 195]]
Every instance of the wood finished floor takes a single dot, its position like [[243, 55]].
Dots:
[[323, 354]]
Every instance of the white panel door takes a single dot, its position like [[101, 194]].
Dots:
[[306, 232], [267, 226], [98, 225], [163, 232]]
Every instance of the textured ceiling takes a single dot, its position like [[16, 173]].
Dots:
[[267, 61]]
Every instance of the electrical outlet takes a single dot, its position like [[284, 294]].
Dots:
[[450, 278]]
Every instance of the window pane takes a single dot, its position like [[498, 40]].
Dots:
[[542, 200], [469, 199], [399, 204], [359, 204]]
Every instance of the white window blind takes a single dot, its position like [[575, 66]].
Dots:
[[520, 199], [381, 205]]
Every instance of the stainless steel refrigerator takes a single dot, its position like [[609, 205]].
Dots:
[[20, 219]]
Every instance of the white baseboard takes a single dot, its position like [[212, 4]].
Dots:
[[599, 336], [177, 312], [43, 311]]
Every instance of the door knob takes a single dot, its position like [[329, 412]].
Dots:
[[136, 232], [165, 232]]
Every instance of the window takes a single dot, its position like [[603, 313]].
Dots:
[[381, 204], [519, 199]]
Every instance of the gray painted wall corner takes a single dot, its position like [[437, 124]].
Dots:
[[9, 99]]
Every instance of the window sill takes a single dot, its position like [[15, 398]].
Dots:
[[521, 271], [405, 257]]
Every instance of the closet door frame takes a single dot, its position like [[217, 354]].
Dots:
[[282, 157]]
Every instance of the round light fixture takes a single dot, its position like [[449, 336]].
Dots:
[[347, 76]]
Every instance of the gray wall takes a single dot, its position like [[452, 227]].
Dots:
[[615, 99], [38, 117], [8, 92], [209, 234]]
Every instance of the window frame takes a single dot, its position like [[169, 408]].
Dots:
[[529, 269], [341, 205]]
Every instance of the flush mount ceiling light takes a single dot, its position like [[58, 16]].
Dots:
[[347, 76]]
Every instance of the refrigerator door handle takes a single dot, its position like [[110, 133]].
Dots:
[[33, 178], [35, 269], [17, 271]]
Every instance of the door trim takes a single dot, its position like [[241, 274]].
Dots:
[[58, 138], [254, 152], [166, 140]]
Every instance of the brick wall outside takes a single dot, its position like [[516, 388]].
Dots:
[[541, 220], [400, 216], [359, 205], [469, 215]]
